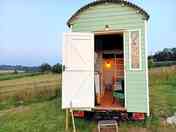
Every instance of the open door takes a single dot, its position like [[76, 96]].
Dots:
[[78, 76]]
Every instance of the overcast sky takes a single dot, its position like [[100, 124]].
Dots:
[[31, 30]]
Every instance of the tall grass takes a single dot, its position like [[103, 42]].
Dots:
[[26, 90], [163, 91], [162, 73], [11, 76]]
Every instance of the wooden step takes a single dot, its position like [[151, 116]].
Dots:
[[107, 126]]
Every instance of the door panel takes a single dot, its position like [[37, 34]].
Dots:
[[135, 75], [79, 51], [78, 77], [78, 89]]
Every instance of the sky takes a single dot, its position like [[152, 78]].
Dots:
[[31, 30]]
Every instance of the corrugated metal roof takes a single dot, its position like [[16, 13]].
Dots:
[[126, 3]]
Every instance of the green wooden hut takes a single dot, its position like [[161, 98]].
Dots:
[[105, 58]]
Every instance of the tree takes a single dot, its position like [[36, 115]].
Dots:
[[174, 53], [45, 67], [57, 68], [167, 54]]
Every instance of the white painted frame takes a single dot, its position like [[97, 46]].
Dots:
[[124, 52], [125, 67], [140, 53], [146, 70]]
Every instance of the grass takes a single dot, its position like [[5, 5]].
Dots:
[[28, 89], [46, 115], [163, 91], [39, 117], [164, 63], [11, 76]]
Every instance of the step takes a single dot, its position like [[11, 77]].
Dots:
[[108, 125]]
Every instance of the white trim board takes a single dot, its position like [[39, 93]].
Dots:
[[125, 67], [123, 32], [146, 61]]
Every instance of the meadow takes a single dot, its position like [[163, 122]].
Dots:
[[10, 75], [163, 91], [35, 106], [27, 89]]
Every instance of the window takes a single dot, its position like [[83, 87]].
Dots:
[[135, 49]]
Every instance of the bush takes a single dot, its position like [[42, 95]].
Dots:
[[45, 67], [151, 63], [57, 68]]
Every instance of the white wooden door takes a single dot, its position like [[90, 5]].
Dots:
[[78, 76]]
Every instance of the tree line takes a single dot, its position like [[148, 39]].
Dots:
[[166, 57], [45, 67], [167, 54]]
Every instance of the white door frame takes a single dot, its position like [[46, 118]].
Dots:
[[125, 67], [124, 54]]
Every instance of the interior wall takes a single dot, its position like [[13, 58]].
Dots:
[[115, 72], [108, 72]]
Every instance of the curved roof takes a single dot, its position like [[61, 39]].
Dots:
[[97, 2]]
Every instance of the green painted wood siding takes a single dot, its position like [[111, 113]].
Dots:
[[124, 18]]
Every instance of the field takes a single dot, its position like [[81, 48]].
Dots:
[[163, 91], [7, 75], [26, 89], [38, 110], [6, 71]]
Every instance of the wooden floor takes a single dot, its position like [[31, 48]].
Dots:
[[107, 102]]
